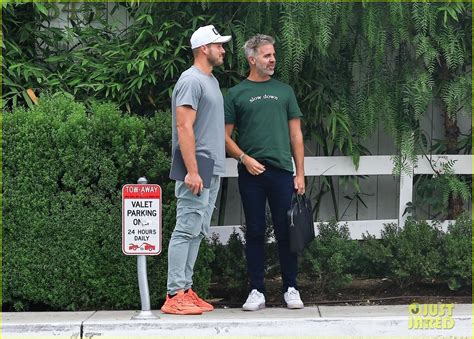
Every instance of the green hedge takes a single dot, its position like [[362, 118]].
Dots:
[[416, 253], [420, 252], [63, 171], [329, 257]]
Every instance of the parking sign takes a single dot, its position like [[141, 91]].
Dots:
[[141, 219]]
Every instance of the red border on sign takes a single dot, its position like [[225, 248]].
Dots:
[[138, 191], [141, 191]]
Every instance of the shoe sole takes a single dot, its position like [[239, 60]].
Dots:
[[294, 307], [173, 311], [206, 309], [259, 307]]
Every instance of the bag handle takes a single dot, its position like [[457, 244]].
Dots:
[[294, 200], [300, 199]]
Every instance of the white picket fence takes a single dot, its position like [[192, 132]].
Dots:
[[369, 165]]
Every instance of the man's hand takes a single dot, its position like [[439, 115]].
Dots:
[[194, 182], [299, 184], [252, 165]]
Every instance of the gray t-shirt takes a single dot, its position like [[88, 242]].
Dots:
[[201, 91]]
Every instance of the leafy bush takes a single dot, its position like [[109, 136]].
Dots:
[[416, 252], [408, 255], [456, 266], [63, 170], [329, 256], [374, 259], [229, 269]]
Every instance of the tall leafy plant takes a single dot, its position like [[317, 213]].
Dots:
[[93, 58], [383, 63]]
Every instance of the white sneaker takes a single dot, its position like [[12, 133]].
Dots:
[[255, 301], [292, 298]]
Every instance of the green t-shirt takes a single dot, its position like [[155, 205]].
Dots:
[[260, 112]]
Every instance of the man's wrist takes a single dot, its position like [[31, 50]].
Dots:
[[241, 158]]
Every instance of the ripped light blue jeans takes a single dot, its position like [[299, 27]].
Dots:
[[193, 218]]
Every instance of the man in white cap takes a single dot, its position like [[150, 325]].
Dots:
[[198, 129]]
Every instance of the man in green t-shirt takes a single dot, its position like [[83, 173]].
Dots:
[[267, 118]]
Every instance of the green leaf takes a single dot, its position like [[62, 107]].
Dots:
[[149, 19], [27, 99], [54, 58], [147, 51], [142, 17], [41, 8], [141, 66], [452, 13]]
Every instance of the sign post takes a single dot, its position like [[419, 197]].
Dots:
[[141, 232]]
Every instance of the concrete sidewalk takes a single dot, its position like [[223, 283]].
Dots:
[[316, 321]]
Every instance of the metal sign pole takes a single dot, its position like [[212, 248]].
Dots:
[[145, 312]]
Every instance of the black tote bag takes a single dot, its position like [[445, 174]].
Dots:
[[300, 223]]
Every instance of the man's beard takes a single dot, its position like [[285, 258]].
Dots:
[[264, 71], [214, 60]]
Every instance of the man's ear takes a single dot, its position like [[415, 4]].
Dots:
[[204, 49], [252, 60]]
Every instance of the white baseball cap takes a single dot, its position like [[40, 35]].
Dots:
[[207, 35]]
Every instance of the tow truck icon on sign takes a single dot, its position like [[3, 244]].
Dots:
[[145, 246], [133, 247]]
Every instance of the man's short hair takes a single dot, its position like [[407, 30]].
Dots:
[[252, 44]]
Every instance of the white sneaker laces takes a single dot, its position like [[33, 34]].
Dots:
[[292, 293], [253, 296]]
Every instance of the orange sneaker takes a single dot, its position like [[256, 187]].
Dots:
[[180, 304], [204, 306]]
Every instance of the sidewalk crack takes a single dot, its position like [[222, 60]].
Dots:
[[82, 324]]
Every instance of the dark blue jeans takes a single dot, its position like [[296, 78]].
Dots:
[[276, 186]]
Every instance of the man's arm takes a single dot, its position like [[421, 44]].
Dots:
[[185, 117], [252, 165], [297, 147]]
